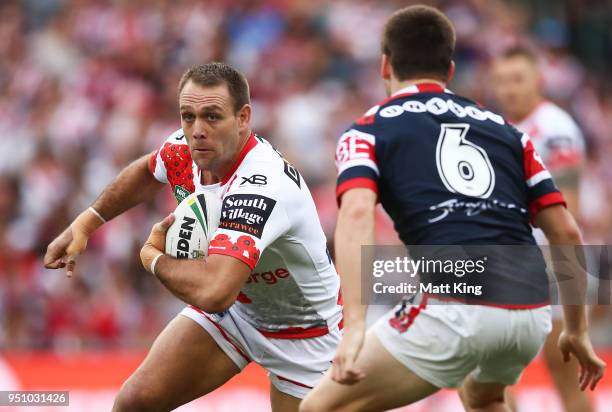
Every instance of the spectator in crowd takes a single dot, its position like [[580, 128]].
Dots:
[[87, 85]]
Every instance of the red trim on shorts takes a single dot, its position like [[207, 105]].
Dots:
[[222, 332], [403, 323], [300, 333], [250, 144], [510, 306], [282, 378], [296, 333]]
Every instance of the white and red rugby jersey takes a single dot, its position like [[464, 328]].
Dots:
[[268, 221], [556, 137]]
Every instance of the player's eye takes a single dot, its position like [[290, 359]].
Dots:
[[211, 117], [188, 117]]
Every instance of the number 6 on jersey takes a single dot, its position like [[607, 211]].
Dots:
[[463, 166]]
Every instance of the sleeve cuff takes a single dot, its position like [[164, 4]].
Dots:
[[358, 182], [544, 201], [251, 263], [243, 249]]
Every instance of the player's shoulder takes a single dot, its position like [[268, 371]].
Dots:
[[176, 137], [175, 145], [264, 170], [552, 118]]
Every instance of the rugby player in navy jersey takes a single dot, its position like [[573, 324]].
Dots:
[[448, 172]]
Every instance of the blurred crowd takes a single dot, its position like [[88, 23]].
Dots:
[[86, 86]]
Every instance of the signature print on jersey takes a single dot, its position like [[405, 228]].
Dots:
[[246, 213]]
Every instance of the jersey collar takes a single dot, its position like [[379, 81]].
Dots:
[[250, 144], [420, 88], [416, 89]]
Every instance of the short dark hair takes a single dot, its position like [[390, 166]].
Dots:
[[216, 73], [420, 41], [520, 50]]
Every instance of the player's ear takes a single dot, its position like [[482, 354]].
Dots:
[[385, 67], [451, 72], [244, 117]]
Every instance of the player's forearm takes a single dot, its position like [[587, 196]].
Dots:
[[569, 266], [193, 282], [134, 185], [568, 182], [355, 228]]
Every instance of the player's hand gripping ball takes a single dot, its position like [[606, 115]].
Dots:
[[196, 220], [186, 233]]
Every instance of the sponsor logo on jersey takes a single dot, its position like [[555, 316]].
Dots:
[[246, 213], [269, 277], [180, 193], [439, 106], [255, 180]]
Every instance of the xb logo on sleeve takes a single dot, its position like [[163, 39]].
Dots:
[[257, 180]]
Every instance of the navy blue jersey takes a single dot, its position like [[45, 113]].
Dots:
[[446, 170]]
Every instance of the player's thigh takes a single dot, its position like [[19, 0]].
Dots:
[[388, 384], [282, 402], [183, 364]]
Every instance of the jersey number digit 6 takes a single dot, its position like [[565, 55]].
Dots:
[[463, 166]]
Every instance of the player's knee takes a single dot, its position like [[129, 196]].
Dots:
[[134, 397]]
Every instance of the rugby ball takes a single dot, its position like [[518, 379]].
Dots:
[[195, 221]]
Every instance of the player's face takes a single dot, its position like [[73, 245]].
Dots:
[[516, 85], [211, 126]]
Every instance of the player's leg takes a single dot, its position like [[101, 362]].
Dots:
[[507, 341], [388, 384], [564, 375], [483, 397], [283, 402], [183, 364]]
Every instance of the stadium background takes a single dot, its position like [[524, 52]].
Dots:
[[88, 85]]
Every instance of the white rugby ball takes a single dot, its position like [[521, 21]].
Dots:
[[195, 221]]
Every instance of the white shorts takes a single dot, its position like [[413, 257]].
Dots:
[[294, 365], [444, 343]]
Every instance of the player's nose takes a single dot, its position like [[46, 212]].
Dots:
[[199, 131]]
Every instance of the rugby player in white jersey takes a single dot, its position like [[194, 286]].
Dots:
[[517, 84], [268, 291]]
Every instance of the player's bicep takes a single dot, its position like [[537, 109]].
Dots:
[[568, 183], [356, 162], [231, 272], [357, 204], [541, 189], [558, 225]]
